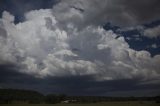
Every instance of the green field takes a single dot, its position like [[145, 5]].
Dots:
[[92, 104]]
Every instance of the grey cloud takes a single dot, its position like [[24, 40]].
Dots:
[[65, 50], [59, 43], [152, 32], [75, 85], [143, 11], [123, 13], [7, 16], [46, 51], [3, 31]]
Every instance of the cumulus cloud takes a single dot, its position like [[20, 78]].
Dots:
[[7, 16], [152, 32], [63, 41]]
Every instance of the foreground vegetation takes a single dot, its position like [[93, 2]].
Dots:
[[12, 97], [129, 103]]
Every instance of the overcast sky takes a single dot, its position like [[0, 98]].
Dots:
[[81, 47]]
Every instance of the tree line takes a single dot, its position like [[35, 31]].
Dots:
[[8, 96]]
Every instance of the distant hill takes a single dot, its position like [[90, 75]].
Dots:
[[13, 95], [8, 96]]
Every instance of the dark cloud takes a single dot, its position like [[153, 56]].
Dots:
[[11, 78], [74, 85], [52, 56], [123, 13], [137, 11], [143, 10], [9, 74]]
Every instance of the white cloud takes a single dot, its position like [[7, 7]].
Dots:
[[152, 32], [7, 16], [154, 46], [54, 43], [31, 66]]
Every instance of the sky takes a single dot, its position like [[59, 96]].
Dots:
[[81, 47]]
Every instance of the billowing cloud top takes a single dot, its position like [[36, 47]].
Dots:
[[68, 40]]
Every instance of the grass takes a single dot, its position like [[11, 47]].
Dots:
[[93, 104]]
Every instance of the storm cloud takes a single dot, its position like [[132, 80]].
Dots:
[[123, 13], [68, 41]]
